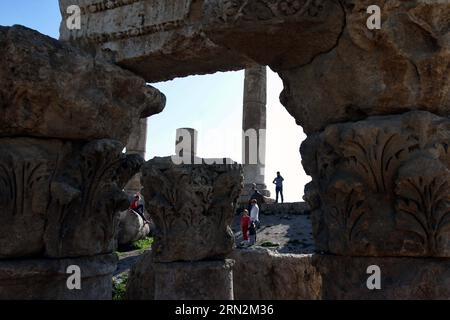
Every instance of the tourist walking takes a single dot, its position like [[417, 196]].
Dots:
[[278, 181]]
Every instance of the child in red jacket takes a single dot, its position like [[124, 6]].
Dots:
[[245, 223]]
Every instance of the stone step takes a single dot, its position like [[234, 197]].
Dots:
[[300, 208]]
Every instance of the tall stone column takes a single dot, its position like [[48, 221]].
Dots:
[[254, 129], [193, 206], [137, 145]]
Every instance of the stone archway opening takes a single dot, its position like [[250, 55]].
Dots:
[[219, 99]]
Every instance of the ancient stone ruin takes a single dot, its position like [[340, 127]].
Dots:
[[373, 103]]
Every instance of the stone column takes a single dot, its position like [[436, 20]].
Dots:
[[254, 129], [193, 207], [62, 169], [186, 144], [137, 145], [375, 109]]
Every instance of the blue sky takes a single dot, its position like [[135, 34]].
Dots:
[[212, 104]]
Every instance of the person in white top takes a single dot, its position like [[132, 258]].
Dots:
[[254, 212], [254, 221]]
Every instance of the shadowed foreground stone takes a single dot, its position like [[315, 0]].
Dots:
[[401, 278], [45, 279], [261, 274], [141, 280], [199, 280]]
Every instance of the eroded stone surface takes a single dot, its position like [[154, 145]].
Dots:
[[192, 207], [197, 280], [157, 39], [261, 274], [381, 186], [46, 279], [279, 33], [61, 198], [141, 280], [163, 39], [404, 66], [53, 90], [401, 278]]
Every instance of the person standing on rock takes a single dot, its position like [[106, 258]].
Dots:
[[278, 181], [245, 224], [138, 208]]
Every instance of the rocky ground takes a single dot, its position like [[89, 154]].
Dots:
[[285, 233]]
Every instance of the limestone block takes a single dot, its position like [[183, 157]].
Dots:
[[46, 279], [403, 66], [53, 90], [278, 33], [199, 280], [59, 198], [141, 280], [261, 274], [400, 278], [192, 207], [157, 39], [381, 187]]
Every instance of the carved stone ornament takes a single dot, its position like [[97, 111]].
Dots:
[[61, 199], [381, 187], [192, 208]]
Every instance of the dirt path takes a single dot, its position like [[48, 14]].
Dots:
[[288, 233]]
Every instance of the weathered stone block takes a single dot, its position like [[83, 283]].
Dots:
[[53, 90], [403, 66], [46, 279], [61, 198], [381, 187], [141, 280], [261, 274], [199, 280], [192, 207], [401, 278], [157, 39], [279, 33]]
